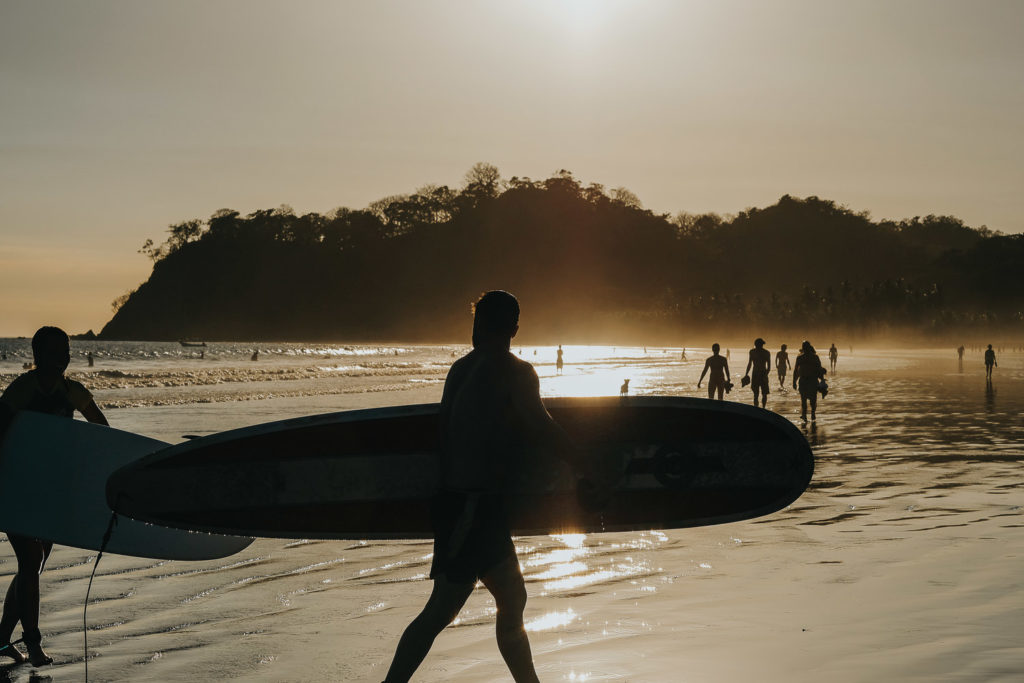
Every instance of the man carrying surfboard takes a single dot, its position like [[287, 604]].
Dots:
[[490, 406], [44, 390]]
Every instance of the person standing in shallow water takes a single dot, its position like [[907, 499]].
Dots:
[[782, 365], [719, 368], [960, 357], [43, 390], [807, 372], [760, 359], [491, 401], [559, 362], [833, 356], [990, 360]]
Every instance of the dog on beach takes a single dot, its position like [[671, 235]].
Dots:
[[624, 389]]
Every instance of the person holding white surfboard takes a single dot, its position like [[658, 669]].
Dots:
[[44, 390]]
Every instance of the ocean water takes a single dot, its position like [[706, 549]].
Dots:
[[901, 562]]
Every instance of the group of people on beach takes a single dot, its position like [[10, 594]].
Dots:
[[490, 399], [808, 374]]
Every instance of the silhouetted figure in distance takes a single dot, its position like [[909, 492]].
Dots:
[[960, 358], [719, 368], [782, 365], [990, 360], [89, 358], [760, 360], [833, 356], [807, 372], [624, 389], [559, 362], [491, 401], [43, 390], [255, 355]]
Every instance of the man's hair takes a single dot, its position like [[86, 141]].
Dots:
[[495, 314], [45, 338], [759, 342]]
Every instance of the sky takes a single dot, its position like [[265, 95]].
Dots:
[[118, 119]]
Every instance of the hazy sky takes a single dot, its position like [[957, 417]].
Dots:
[[119, 118]]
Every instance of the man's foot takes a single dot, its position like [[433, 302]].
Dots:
[[813, 417], [11, 650], [803, 416], [37, 657]]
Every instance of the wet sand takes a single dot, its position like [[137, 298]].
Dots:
[[902, 562]]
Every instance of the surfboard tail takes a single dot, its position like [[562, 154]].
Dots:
[[53, 480]]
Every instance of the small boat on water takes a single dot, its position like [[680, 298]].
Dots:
[[191, 343]]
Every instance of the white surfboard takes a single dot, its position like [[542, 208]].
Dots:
[[53, 478]]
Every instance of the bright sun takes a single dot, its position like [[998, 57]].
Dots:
[[577, 16]]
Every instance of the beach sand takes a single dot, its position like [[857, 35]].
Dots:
[[901, 562]]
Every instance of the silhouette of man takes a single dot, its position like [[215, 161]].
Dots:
[[833, 356], [559, 362], [760, 360], [719, 368], [807, 372], [990, 360], [782, 365], [960, 357], [491, 402], [43, 390]]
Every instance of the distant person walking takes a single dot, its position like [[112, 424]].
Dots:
[[255, 355], [833, 356], [89, 358], [782, 365], [960, 357], [683, 357], [807, 372], [760, 360], [43, 390], [990, 361], [559, 362], [719, 368]]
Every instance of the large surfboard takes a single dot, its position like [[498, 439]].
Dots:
[[53, 477], [671, 462]]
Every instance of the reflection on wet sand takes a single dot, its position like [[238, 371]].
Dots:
[[901, 561]]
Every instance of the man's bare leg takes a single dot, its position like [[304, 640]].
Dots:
[[446, 599], [505, 582]]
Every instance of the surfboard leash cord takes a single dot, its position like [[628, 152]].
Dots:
[[85, 608]]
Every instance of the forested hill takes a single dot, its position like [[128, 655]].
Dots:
[[587, 264]]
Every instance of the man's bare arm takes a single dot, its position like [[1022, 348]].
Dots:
[[92, 413], [539, 423]]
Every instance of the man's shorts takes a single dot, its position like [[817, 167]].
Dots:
[[759, 382], [471, 535]]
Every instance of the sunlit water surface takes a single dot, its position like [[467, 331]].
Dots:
[[901, 559]]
